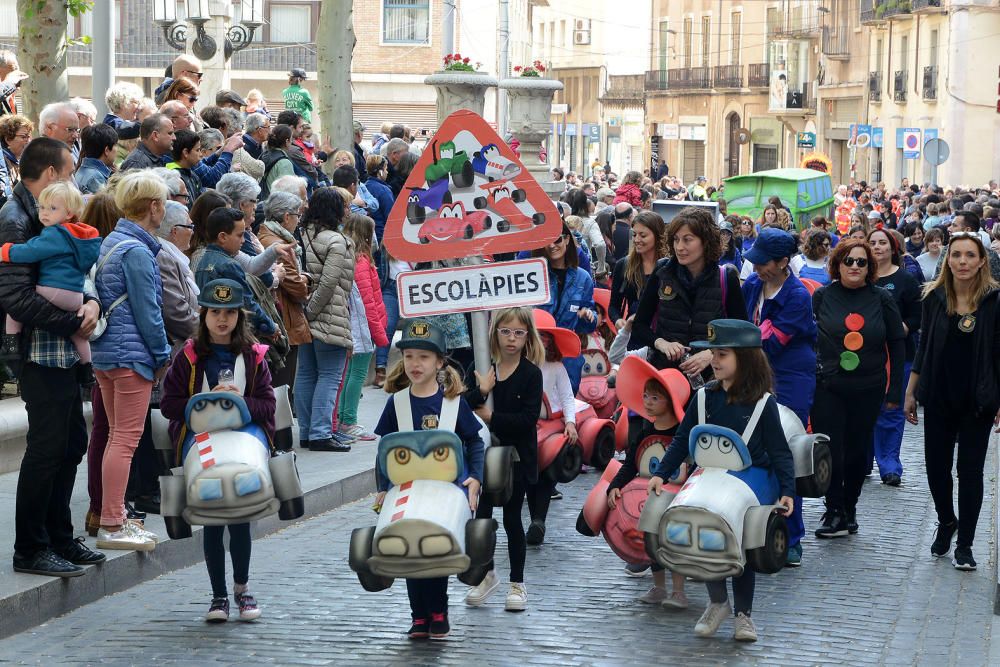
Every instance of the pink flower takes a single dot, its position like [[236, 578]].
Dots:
[[517, 68]]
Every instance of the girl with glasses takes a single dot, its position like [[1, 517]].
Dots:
[[860, 332], [515, 382]]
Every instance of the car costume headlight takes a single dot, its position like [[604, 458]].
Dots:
[[679, 533], [711, 539], [392, 545], [435, 545]]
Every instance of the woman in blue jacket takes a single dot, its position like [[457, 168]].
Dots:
[[781, 306], [377, 168], [133, 351], [572, 289]]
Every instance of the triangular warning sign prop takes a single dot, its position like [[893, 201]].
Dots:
[[469, 195]]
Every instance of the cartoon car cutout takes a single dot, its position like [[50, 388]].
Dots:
[[454, 224], [489, 163], [229, 475], [594, 389], [620, 526], [502, 198], [420, 199], [449, 161], [425, 528], [559, 459], [717, 525]]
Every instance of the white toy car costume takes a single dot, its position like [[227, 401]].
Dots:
[[723, 519], [228, 475], [425, 528]]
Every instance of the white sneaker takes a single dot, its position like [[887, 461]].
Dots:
[[715, 614], [677, 600], [478, 595], [517, 598], [123, 538], [137, 527], [745, 629], [654, 595]]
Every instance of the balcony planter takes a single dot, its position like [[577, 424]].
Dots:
[[529, 117], [460, 90]]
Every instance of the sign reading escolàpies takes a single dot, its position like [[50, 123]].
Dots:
[[468, 288]]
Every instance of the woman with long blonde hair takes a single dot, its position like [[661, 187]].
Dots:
[[956, 377]]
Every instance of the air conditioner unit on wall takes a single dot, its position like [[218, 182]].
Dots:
[[582, 24], [581, 37]]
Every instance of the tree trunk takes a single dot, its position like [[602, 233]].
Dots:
[[42, 54], [335, 42]]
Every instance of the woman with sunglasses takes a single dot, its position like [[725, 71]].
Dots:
[[860, 329], [572, 300], [956, 377], [186, 92]]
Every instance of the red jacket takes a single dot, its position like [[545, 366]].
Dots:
[[366, 277], [630, 193]]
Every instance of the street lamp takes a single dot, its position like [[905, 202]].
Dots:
[[238, 37]]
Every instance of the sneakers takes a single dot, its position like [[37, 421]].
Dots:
[[963, 559], [851, 516], [356, 431], [745, 630], [715, 614], [79, 554], [517, 597], [834, 525], [124, 538], [556, 495], [794, 558], [439, 627], [478, 595], [47, 563], [219, 611], [138, 528], [342, 438], [892, 479], [677, 600], [249, 611], [942, 539], [636, 570], [654, 595], [418, 629], [536, 533], [328, 445]]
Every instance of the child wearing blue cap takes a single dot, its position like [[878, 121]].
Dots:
[[742, 381]]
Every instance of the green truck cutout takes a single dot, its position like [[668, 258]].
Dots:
[[805, 192]]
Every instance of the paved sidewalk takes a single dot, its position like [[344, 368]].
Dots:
[[329, 479], [877, 598]]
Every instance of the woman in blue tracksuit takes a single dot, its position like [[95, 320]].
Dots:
[[781, 306], [572, 300]]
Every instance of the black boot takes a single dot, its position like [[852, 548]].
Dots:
[[834, 525]]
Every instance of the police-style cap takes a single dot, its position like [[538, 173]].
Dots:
[[422, 334], [771, 244], [729, 333], [221, 293]]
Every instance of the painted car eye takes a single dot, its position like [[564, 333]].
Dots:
[[401, 455], [725, 446], [586, 368], [654, 463], [226, 404], [501, 193], [441, 454], [200, 405], [704, 441], [413, 199], [600, 367]]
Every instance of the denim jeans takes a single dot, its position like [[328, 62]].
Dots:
[[391, 301], [317, 387]]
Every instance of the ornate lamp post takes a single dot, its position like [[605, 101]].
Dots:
[[204, 46]]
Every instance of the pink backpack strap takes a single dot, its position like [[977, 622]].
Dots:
[[723, 286]]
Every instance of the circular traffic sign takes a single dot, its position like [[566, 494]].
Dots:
[[936, 151], [912, 141]]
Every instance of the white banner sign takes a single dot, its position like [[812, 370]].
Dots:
[[468, 288]]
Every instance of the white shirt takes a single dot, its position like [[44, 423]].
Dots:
[[558, 390], [175, 252]]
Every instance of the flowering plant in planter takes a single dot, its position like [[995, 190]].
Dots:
[[535, 69], [454, 62]]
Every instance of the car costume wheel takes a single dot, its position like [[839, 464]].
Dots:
[[518, 196], [566, 466], [498, 478], [480, 543], [503, 226], [816, 484], [357, 558], [604, 448], [771, 557], [583, 527]]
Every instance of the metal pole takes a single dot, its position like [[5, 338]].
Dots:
[[480, 332], [103, 45], [448, 28], [504, 67]]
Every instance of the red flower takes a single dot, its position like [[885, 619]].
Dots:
[[465, 60], [517, 68], [458, 56]]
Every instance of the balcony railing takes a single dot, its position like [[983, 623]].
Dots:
[[689, 78], [728, 76], [922, 5], [930, 82], [870, 14], [758, 75], [837, 42], [656, 79], [899, 86], [875, 86], [892, 8], [804, 99], [795, 24]]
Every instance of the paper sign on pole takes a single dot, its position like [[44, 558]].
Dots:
[[469, 194], [470, 288], [911, 143]]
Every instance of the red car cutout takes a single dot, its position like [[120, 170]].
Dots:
[[502, 198], [454, 224]]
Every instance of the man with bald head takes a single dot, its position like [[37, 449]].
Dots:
[[183, 67], [177, 113]]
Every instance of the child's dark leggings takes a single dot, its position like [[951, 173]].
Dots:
[[539, 496], [516, 545], [427, 596], [215, 556], [743, 586]]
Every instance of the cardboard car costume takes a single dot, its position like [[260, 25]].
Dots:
[[469, 195]]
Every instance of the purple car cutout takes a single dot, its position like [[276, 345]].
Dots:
[[421, 199]]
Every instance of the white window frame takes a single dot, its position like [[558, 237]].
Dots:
[[406, 45]]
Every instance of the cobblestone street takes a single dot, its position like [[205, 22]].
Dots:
[[877, 598]]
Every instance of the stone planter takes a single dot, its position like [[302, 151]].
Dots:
[[460, 90], [529, 118]]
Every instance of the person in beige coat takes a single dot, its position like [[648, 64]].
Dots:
[[329, 259], [180, 292]]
